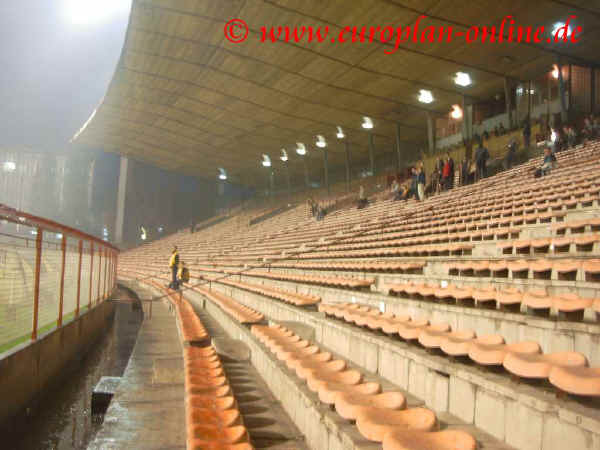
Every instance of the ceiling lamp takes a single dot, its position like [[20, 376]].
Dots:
[[340, 133], [266, 161], [425, 96], [284, 155], [456, 112], [557, 27], [301, 148], [222, 174], [555, 72], [321, 143], [367, 123], [462, 79]]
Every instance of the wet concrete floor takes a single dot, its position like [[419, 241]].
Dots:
[[64, 420]]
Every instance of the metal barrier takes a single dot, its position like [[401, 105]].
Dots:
[[49, 274]]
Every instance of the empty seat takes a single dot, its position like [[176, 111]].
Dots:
[[375, 423], [437, 440], [534, 365], [485, 353], [348, 405], [576, 380]]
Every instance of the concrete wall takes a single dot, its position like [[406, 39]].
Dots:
[[29, 371]]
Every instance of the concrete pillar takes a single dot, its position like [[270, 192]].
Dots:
[[371, 154], [592, 90], [507, 100], [430, 133], [347, 147], [271, 181], [326, 166], [465, 129], [122, 190], [398, 150], [306, 181], [287, 178], [529, 101], [562, 95]]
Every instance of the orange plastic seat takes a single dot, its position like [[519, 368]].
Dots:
[[375, 423], [329, 391], [215, 403], [227, 435], [316, 379], [539, 365], [221, 418], [305, 368], [199, 444], [493, 354], [348, 405], [438, 440], [411, 332], [576, 380], [458, 343]]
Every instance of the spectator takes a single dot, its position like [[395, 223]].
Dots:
[[312, 206], [362, 199], [501, 129], [395, 186], [402, 193], [511, 155], [183, 274], [526, 134], [481, 156], [464, 171], [439, 164], [420, 183], [595, 126], [571, 136], [193, 226], [588, 131], [448, 172], [548, 163], [174, 266], [412, 192], [435, 181]]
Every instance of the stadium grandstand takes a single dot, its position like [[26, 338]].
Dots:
[[270, 242]]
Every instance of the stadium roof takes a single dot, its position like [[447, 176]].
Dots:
[[185, 98]]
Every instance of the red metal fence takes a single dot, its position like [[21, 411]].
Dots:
[[49, 274]]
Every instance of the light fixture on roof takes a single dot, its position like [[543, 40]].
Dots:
[[367, 123], [425, 96], [555, 73], [558, 26], [462, 79], [9, 166], [321, 143], [456, 112], [222, 174], [266, 161], [300, 148], [284, 155], [59, 236], [340, 133]]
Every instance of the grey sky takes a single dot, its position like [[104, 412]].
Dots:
[[58, 57]]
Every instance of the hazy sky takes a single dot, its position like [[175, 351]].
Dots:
[[58, 57]]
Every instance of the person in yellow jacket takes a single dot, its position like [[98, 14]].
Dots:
[[174, 265], [183, 274]]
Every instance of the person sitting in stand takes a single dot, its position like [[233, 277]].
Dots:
[[501, 129], [394, 187], [362, 198], [548, 163], [420, 183], [511, 154], [403, 193], [571, 136]]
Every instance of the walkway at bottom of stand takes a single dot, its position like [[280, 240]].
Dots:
[[147, 410]]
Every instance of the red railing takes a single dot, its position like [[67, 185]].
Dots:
[[41, 284]]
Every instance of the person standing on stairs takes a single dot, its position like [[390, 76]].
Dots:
[[174, 265]]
